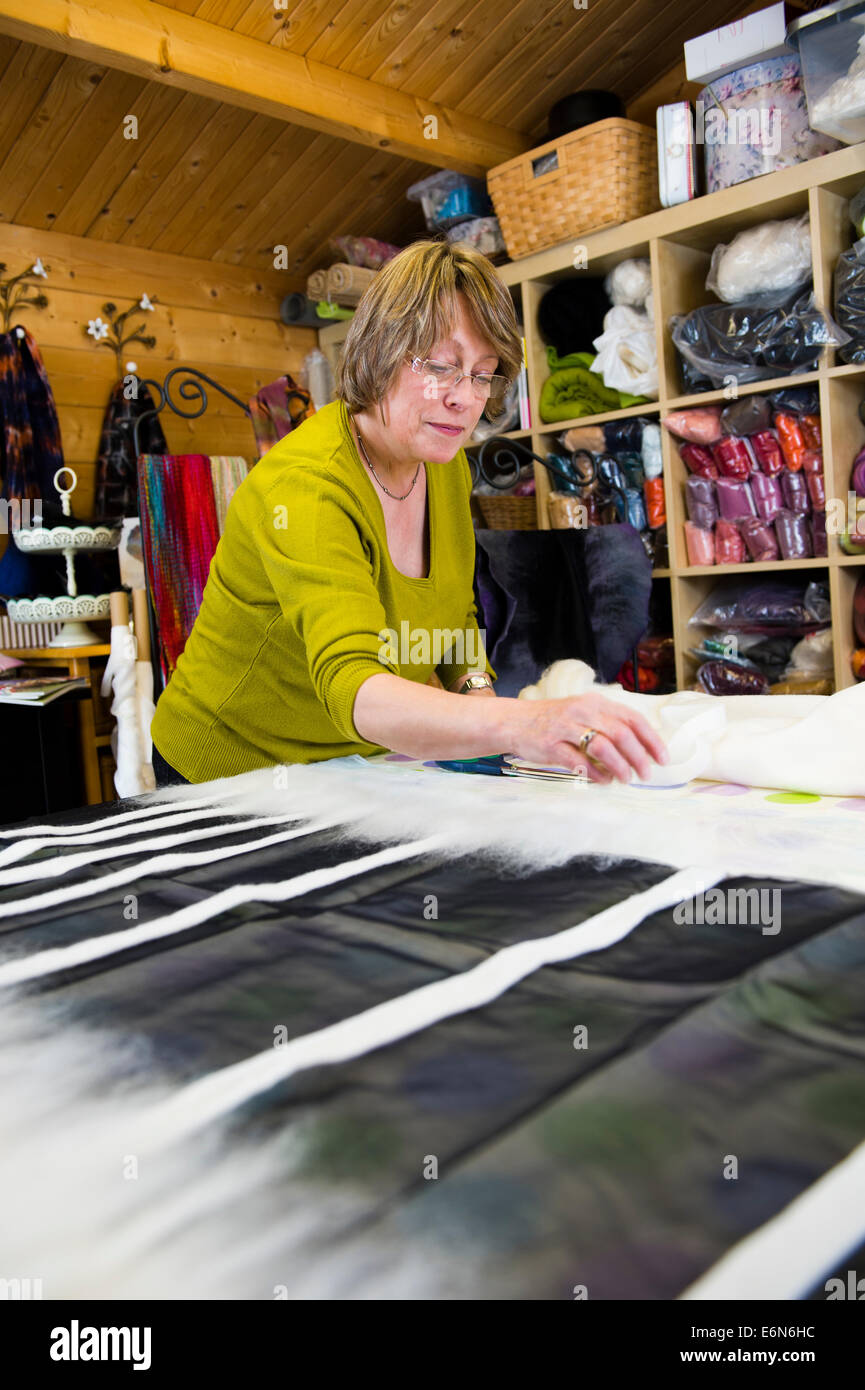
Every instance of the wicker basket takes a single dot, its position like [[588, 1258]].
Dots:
[[607, 173], [508, 513]]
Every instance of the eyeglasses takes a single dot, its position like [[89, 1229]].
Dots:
[[445, 375]]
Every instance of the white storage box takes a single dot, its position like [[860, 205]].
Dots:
[[757, 36]]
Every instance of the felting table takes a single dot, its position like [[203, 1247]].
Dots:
[[370, 1029]]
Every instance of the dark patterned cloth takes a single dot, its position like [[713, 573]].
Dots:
[[30, 446], [559, 1166], [30, 449], [116, 472]]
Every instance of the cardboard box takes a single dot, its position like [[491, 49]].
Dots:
[[748, 40]]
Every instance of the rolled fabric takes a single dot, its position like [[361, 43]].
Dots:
[[795, 489], [790, 437], [767, 495], [735, 499], [316, 285], [656, 508], [700, 544], [589, 437], [700, 426], [626, 434], [747, 416], [818, 533], [699, 460], [729, 546], [811, 431], [816, 490], [700, 501], [632, 467], [794, 537], [635, 509], [857, 480], [768, 451], [727, 678], [732, 457], [650, 450], [759, 538], [858, 610], [296, 309], [346, 283], [812, 461]]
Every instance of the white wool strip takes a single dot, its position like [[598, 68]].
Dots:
[[206, 1100], [23, 969], [56, 868], [51, 868], [785, 1258], [223, 790]]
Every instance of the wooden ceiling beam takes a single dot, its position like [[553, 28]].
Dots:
[[168, 46]]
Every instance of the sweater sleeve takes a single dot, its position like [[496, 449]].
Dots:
[[314, 556]]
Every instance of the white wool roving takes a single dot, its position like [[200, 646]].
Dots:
[[529, 825], [805, 743], [771, 256], [629, 282]]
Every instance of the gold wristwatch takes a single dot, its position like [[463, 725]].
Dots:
[[477, 682]]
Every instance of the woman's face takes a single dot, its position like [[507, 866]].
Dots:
[[431, 422]]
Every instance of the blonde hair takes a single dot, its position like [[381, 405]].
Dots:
[[410, 305]]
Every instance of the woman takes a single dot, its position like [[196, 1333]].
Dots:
[[343, 578]]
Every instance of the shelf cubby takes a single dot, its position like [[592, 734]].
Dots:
[[678, 242]]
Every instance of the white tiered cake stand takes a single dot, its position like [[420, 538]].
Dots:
[[73, 609]]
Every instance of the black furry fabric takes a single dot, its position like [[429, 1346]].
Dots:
[[571, 314], [545, 596]]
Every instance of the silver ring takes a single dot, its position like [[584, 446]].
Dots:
[[585, 739]]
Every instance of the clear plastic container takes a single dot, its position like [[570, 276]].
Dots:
[[448, 197], [831, 46]]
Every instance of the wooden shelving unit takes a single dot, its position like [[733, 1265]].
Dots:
[[678, 242]]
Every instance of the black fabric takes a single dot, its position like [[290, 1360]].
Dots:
[[571, 313], [545, 596], [165, 774]]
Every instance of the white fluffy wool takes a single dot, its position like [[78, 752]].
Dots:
[[527, 825]]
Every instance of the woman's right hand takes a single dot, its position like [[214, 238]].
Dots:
[[548, 731]]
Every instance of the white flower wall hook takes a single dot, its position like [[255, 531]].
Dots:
[[112, 335], [14, 293]]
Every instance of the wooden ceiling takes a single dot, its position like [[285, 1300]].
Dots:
[[280, 123]]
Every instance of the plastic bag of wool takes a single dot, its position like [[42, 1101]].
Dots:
[[123, 1177]]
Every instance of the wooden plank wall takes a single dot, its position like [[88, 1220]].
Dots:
[[220, 318]]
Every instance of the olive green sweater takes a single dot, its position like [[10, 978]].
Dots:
[[299, 597]]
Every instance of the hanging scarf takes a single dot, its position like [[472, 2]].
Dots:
[[278, 409], [30, 448], [180, 532]]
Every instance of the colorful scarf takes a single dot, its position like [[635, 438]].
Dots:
[[278, 409], [180, 531]]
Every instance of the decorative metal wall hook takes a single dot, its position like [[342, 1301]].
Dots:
[[111, 334], [190, 389], [13, 293], [504, 454]]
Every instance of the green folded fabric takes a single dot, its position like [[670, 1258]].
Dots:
[[326, 310], [572, 391]]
